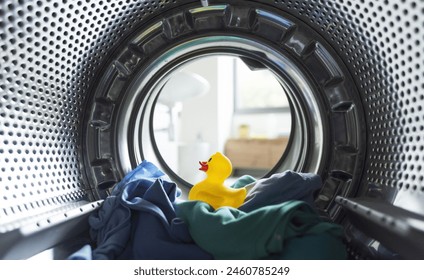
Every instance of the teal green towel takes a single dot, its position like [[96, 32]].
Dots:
[[245, 181], [291, 230]]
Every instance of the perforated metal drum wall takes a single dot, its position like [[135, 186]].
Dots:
[[382, 43], [49, 51], [52, 51], [41, 100]]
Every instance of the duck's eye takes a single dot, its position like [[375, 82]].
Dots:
[[209, 159]]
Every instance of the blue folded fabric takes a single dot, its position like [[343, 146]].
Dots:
[[110, 228], [138, 221], [282, 187], [157, 233]]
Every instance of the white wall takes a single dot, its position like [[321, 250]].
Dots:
[[210, 116], [225, 97], [199, 115]]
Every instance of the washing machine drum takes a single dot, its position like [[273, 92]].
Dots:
[[79, 81]]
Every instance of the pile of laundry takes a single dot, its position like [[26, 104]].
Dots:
[[144, 218]]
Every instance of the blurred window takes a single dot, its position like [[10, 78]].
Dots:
[[257, 91]]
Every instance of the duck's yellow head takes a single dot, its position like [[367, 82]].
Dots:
[[217, 167]]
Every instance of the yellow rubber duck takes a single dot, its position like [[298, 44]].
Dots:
[[212, 189]]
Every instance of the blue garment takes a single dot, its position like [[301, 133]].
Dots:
[[110, 228], [282, 187], [137, 220], [157, 233]]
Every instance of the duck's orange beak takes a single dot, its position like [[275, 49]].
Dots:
[[203, 166]]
